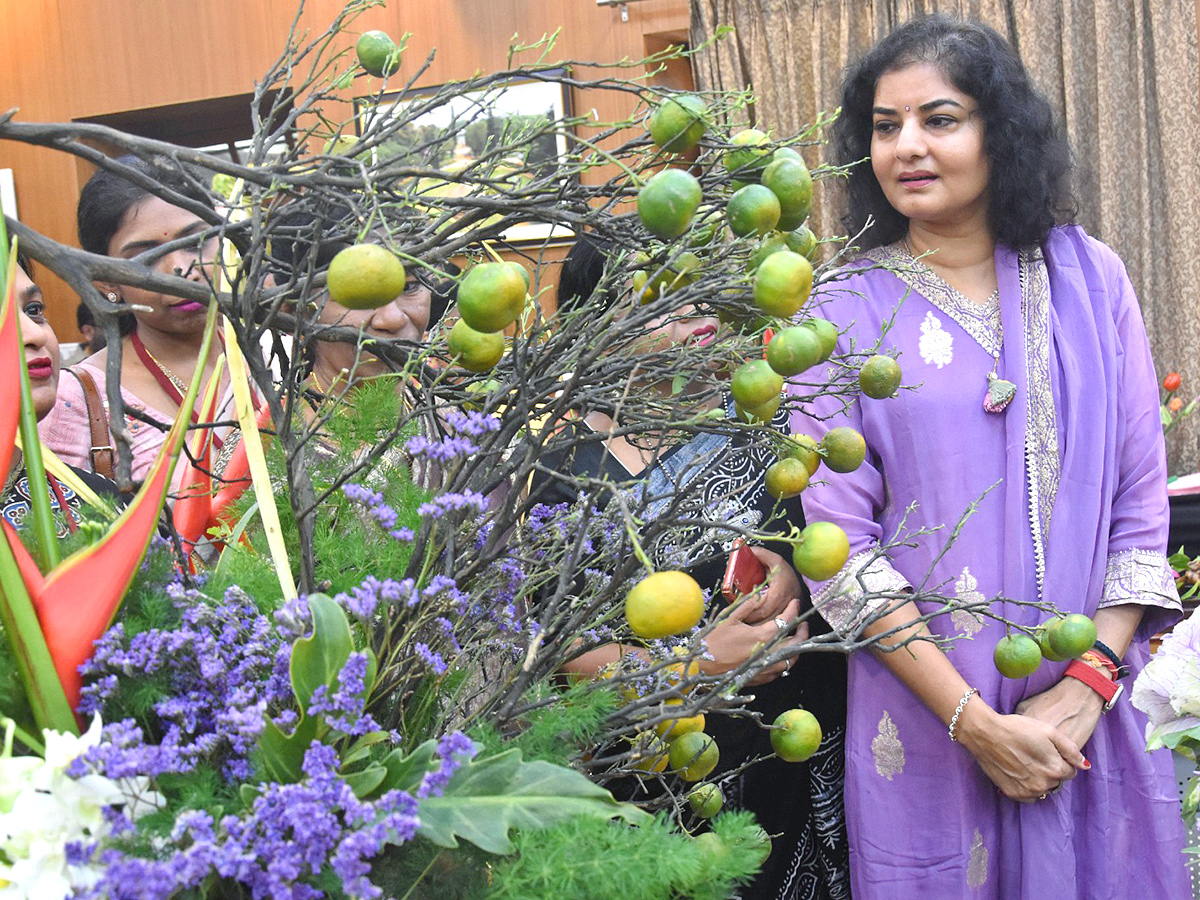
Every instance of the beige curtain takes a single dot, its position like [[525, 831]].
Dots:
[[1121, 74]]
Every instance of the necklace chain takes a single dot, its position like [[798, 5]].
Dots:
[[171, 376]]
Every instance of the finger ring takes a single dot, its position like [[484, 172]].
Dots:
[[1059, 788], [1042, 797], [785, 673], [781, 623]]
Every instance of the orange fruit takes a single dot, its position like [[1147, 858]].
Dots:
[[476, 351], [782, 284], [365, 276], [1071, 635], [377, 53], [796, 735], [828, 334], [1017, 656], [694, 755], [879, 377], [843, 449], [667, 203], [804, 448], [786, 478], [793, 350], [678, 123], [1042, 636], [755, 384], [706, 800], [649, 752], [491, 296], [673, 728], [821, 552], [752, 210], [790, 182], [520, 270], [772, 243], [663, 604], [757, 415], [802, 241], [749, 155]]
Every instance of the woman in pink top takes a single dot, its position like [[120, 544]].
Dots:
[[162, 336]]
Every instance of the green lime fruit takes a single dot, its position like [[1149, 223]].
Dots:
[[791, 183], [843, 449], [1017, 656], [796, 735], [706, 800], [476, 351], [828, 334], [678, 123], [491, 296], [786, 478], [749, 155], [648, 753], [802, 241], [1071, 635], [694, 755], [879, 377], [804, 448], [365, 276], [520, 270], [782, 284], [708, 227], [665, 603], [793, 350], [755, 384], [712, 847], [377, 53], [787, 153], [667, 203], [821, 551], [1042, 636], [753, 210]]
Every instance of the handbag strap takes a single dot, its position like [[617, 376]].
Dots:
[[102, 450]]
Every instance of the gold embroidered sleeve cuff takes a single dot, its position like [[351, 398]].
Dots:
[[847, 600], [1141, 577]]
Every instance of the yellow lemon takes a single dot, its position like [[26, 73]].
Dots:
[[673, 728]]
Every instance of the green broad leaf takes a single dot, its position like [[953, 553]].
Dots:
[[404, 773], [318, 660], [366, 781], [361, 748], [1191, 798], [248, 794], [1164, 415], [678, 383], [282, 755], [487, 798]]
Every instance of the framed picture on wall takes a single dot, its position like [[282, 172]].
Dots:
[[454, 131]]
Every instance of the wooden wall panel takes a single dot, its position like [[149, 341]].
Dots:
[[67, 59]]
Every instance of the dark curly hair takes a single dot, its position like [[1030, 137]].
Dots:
[[1029, 188]]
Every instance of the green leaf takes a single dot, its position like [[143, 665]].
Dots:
[[404, 773], [282, 755], [1164, 415], [1162, 737], [366, 781], [361, 748], [487, 798], [318, 660]]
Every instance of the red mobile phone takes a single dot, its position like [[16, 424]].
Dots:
[[743, 573]]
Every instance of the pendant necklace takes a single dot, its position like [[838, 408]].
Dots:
[[1000, 391]]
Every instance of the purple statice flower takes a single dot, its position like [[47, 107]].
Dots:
[[363, 601], [444, 584], [447, 628], [378, 509], [280, 847], [219, 670], [441, 451], [344, 708], [468, 501], [453, 750], [294, 619], [431, 658], [472, 424]]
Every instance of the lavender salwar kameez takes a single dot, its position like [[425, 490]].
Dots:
[[1069, 483]]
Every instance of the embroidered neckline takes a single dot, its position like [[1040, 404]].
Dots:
[[980, 320]]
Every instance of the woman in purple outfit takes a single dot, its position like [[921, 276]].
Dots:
[[1037, 402]]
